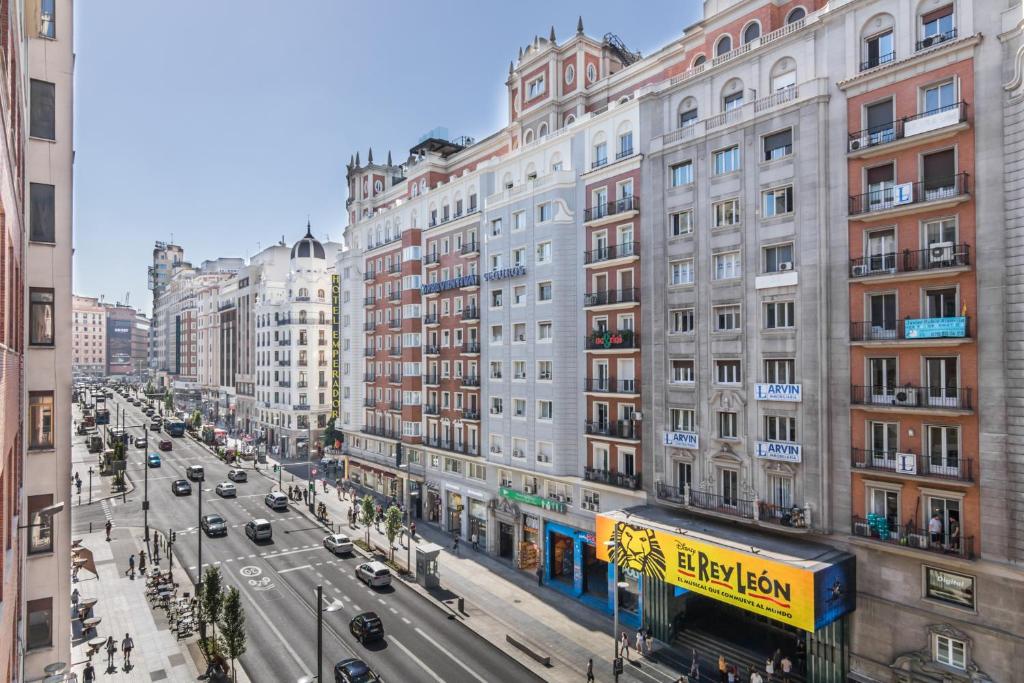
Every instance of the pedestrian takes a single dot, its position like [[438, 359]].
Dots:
[[935, 529], [474, 540], [787, 668], [721, 668], [89, 673], [590, 670], [769, 669], [108, 526], [730, 675], [305, 495], [142, 561], [755, 677], [455, 543], [777, 659], [127, 645], [131, 566], [540, 574], [695, 667], [78, 486], [111, 649], [624, 645], [640, 642], [412, 529]]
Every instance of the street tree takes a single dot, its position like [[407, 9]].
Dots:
[[211, 605], [232, 627], [392, 526], [366, 515], [168, 399], [196, 419]]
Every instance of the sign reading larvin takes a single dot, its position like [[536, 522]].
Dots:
[[778, 392], [682, 440], [777, 450]]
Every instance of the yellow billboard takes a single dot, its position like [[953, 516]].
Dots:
[[764, 586]]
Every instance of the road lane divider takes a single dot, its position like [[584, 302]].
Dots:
[[416, 660], [442, 648]]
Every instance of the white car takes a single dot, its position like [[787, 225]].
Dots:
[[374, 574], [226, 489], [338, 543], [238, 475]]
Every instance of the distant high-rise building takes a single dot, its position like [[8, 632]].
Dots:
[[88, 336]]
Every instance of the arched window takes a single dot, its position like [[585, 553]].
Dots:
[[542, 130], [796, 15], [302, 316], [724, 45], [783, 74], [751, 32], [687, 112], [700, 59], [732, 95], [303, 292], [878, 44], [320, 294], [527, 136], [556, 162], [569, 118], [323, 318]]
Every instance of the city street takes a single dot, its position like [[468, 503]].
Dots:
[[278, 579]]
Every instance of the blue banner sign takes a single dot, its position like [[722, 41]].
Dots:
[[503, 273], [778, 392], [682, 440], [454, 283], [775, 450], [931, 328]]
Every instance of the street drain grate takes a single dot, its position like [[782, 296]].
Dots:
[[158, 675]]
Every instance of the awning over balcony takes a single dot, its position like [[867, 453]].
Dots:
[[796, 582]]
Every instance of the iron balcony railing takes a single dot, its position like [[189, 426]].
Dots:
[[599, 162], [945, 466], [878, 61], [369, 377], [471, 313], [623, 153], [395, 323], [878, 528], [431, 319], [612, 296], [622, 429], [396, 405], [619, 479], [453, 446], [395, 378], [791, 516], [470, 414], [283, 383], [369, 275], [431, 409], [616, 251], [395, 295], [611, 386], [395, 351], [930, 190], [630, 203], [395, 268], [910, 396], [891, 131], [469, 247], [431, 259], [937, 256], [381, 431], [432, 349], [471, 347], [431, 379], [607, 339], [897, 330], [470, 380], [368, 351], [932, 41], [369, 403], [302, 363], [369, 326], [283, 321], [301, 385], [284, 342], [369, 300]]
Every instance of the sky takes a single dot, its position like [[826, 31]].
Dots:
[[222, 125]]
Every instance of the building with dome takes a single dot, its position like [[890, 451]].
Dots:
[[292, 370]]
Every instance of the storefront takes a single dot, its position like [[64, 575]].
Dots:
[[432, 503], [478, 519], [572, 566], [529, 547], [508, 519], [454, 508], [756, 590]]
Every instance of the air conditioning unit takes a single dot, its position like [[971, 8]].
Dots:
[[904, 396], [856, 144], [941, 252], [927, 42], [860, 271], [521, 337], [785, 265], [516, 453]]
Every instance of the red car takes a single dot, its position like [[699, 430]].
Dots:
[[165, 444]]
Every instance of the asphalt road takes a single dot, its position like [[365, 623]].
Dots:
[[278, 581]]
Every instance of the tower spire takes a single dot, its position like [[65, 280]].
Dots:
[[579, 25], [551, 38]]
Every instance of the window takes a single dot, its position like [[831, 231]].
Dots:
[[681, 223], [519, 369], [777, 202], [727, 318], [40, 416], [42, 221], [783, 81], [544, 291], [47, 21], [476, 471], [40, 317], [39, 623], [570, 74], [496, 334], [732, 101], [727, 160], [519, 295], [779, 428], [681, 272], [682, 371], [727, 425], [779, 315], [535, 88], [40, 530], [625, 145], [939, 170], [519, 407], [591, 73], [544, 212], [724, 45], [496, 406], [687, 118], [727, 266], [937, 26], [778, 145], [727, 372], [681, 174], [726, 213], [751, 32], [43, 113], [543, 253], [495, 369], [683, 420], [600, 154], [496, 227], [496, 298], [778, 258], [879, 50], [950, 651], [518, 221], [796, 15], [545, 410], [544, 370], [518, 332], [780, 371], [544, 331], [937, 97], [681, 321]]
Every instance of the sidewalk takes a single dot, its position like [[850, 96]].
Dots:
[[502, 600]]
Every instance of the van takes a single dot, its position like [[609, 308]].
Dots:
[[259, 530], [194, 472], [276, 500]]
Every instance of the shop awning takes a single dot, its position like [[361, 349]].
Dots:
[[794, 581]]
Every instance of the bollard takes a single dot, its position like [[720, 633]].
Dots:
[[462, 605], [90, 527]]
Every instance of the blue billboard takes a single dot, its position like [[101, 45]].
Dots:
[[932, 328]]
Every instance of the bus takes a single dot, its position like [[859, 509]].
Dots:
[[175, 427]]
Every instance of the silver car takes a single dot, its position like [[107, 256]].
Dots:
[[374, 574], [338, 543], [226, 489], [238, 475]]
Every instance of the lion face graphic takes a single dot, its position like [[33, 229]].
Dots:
[[639, 551]]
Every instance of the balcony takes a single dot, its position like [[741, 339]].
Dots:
[[937, 39], [899, 398], [395, 351], [284, 342], [369, 403], [471, 414], [605, 385], [380, 431], [951, 467], [612, 297], [470, 380], [300, 407], [432, 350], [914, 129], [284, 383], [369, 301], [607, 340], [301, 384], [622, 481], [321, 341], [618, 251], [302, 362], [322, 384], [283, 363], [619, 206], [394, 378], [914, 331], [395, 295], [368, 351], [283, 321], [938, 258], [471, 348], [431, 380], [616, 429], [395, 268], [623, 153], [369, 377], [431, 409], [369, 275], [449, 445], [369, 326], [395, 324], [907, 197], [599, 162], [395, 405], [877, 528], [468, 248], [470, 313], [303, 341], [431, 259], [880, 60], [431, 319], [756, 510]]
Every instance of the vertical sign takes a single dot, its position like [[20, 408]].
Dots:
[[335, 373]]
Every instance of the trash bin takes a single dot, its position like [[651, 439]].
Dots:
[[427, 571]]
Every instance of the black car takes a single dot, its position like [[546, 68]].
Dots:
[[366, 627], [214, 525], [181, 487], [354, 671]]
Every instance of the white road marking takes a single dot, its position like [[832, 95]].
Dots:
[[406, 621], [292, 569], [357, 607], [453, 657], [393, 610], [414, 658], [381, 601], [346, 597], [280, 637], [288, 552]]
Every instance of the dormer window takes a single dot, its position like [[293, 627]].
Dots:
[[535, 88]]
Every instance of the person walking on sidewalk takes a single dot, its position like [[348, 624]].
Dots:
[[695, 667], [127, 645], [590, 670], [142, 561], [640, 642], [131, 566], [475, 540], [455, 543], [89, 673], [540, 574], [111, 649], [721, 669], [624, 645], [787, 669], [108, 527]]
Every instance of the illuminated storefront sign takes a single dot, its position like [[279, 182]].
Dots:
[[335, 346], [530, 499], [504, 273], [682, 440], [806, 597], [777, 392], [932, 328], [776, 450]]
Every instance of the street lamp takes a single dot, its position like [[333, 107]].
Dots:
[[199, 532], [613, 547], [333, 606]]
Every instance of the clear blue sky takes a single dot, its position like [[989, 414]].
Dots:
[[225, 123]]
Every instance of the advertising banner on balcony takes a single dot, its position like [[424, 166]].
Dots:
[[808, 594], [682, 440], [778, 392], [775, 450], [933, 328]]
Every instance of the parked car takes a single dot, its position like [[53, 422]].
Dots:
[[374, 574], [354, 671], [165, 444], [181, 487], [214, 525], [366, 627], [276, 500], [195, 472], [338, 543], [237, 475], [153, 460], [259, 530], [226, 489]]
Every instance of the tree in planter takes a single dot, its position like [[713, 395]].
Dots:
[[168, 400], [232, 627], [367, 511], [392, 525], [196, 420], [211, 605]]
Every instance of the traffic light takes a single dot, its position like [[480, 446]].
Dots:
[[174, 536], [311, 487], [277, 468]]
